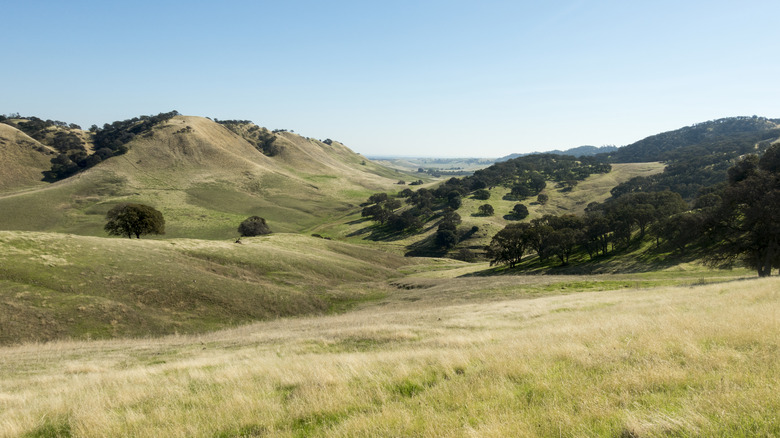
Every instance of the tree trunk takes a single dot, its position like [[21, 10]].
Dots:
[[765, 269]]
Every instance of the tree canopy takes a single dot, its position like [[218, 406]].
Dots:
[[253, 226], [746, 224], [134, 220]]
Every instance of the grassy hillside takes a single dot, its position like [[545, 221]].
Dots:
[[55, 286], [23, 160], [662, 361], [206, 180]]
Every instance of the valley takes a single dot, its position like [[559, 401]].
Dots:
[[340, 323]]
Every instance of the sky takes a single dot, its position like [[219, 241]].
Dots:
[[400, 78]]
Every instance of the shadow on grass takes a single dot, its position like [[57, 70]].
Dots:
[[425, 248], [630, 260]]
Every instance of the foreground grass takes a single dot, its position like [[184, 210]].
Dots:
[[679, 361]]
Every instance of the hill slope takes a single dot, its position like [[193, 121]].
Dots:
[[697, 156], [661, 147], [205, 179], [23, 160], [55, 285]]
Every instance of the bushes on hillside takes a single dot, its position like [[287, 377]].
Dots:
[[253, 226]]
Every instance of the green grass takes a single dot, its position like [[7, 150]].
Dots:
[[57, 286]]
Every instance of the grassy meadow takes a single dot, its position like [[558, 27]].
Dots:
[[55, 286], [441, 356]]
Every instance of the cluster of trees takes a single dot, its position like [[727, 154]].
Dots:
[[663, 147], [744, 224], [692, 169], [423, 206], [35, 127], [605, 227], [525, 175], [262, 139], [383, 209], [109, 141]]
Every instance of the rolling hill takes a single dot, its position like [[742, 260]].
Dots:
[[55, 285], [23, 159], [205, 179]]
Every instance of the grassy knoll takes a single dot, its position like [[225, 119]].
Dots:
[[55, 286], [661, 361]]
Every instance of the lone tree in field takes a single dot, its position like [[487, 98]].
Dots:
[[253, 226], [520, 211], [134, 219]]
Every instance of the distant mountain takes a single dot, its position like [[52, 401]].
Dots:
[[580, 151]]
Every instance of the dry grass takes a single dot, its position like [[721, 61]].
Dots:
[[679, 361], [23, 160]]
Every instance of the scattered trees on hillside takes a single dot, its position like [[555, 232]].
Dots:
[[253, 226], [134, 220], [696, 157], [109, 141]]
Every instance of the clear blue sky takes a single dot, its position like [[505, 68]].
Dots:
[[422, 78]]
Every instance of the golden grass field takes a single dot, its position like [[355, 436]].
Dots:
[[442, 357]]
